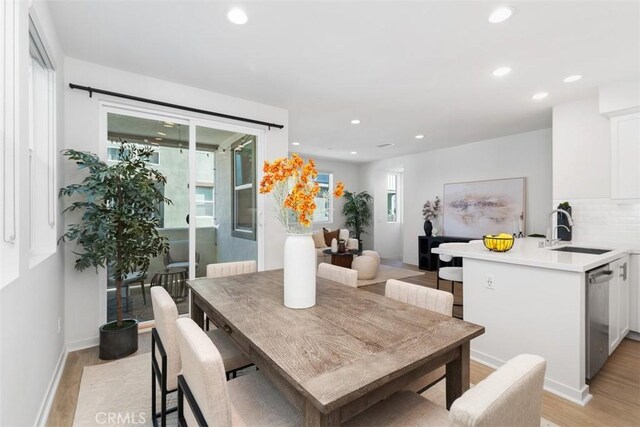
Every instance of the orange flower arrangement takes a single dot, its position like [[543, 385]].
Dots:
[[292, 182]]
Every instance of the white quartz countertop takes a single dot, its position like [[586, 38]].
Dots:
[[527, 252]]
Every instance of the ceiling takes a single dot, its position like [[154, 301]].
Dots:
[[402, 68]]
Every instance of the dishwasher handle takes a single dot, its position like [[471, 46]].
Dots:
[[601, 277]]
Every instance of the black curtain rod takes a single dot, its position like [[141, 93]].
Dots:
[[92, 90]]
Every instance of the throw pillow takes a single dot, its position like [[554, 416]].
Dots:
[[330, 235], [318, 239]]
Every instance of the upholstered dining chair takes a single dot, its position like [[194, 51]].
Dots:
[[249, 400], [345, 276], [510, 396], [165, 355], [224, 269], [452, 274], [427, 298]]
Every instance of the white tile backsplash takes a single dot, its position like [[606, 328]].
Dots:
[[605, 220]]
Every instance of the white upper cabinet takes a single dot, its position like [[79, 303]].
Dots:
[[625, 156]]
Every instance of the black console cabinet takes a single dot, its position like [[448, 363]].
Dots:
[[428, 260]]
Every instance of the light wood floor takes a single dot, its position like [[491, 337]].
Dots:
[[615, 390]]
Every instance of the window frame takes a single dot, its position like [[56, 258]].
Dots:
[[243, 233], [330, 199], [42, 228], [395, 191]]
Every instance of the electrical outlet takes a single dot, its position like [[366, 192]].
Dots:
[[490, 284], [59, 324]]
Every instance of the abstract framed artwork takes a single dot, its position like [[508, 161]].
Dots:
[[477, 208]]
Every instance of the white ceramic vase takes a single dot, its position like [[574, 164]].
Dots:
[[299, 271]]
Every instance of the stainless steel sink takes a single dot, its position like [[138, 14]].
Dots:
[[579, 250]]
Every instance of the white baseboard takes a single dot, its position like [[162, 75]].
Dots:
[[82, 344], [581, 397], [45, 407]]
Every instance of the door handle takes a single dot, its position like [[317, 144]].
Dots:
[[623, 271]]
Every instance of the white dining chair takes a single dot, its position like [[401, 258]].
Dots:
[[165, 355], [429, 299], [223, 269], [345, 276], [510, 396], [249, 400], [452, 274]]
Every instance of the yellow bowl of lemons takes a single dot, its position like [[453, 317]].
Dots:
[[499, 243]]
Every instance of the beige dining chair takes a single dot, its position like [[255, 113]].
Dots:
[[345, 276], [510, 396], [249, 400], [223, 269], [165, 355], [429, 299]]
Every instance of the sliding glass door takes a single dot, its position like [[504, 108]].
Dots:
[[211, 173]]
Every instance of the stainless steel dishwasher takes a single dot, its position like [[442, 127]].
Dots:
[[597, 318]]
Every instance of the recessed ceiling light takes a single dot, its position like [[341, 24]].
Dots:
[[168, 125], [237, 16], [572, 79], [354, 152], [539, 96], [419, 136], [501, 71], [162, 133], [158, 139], [355, 122], [295, 143], [500, 14]]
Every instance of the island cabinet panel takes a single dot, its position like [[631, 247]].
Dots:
[[634, 293], [619, 301]]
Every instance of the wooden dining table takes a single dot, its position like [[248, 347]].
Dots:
[[341, 356]]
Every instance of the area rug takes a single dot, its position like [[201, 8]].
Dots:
[[386, 272], [437, 395], [118, 394]]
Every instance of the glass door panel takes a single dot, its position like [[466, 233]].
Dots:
[[171, 157], [225, 197]]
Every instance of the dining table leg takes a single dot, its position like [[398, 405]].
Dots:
[[314, 418], [458, 374], [197, 315]]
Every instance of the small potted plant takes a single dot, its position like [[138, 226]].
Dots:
[[430, 212], [119, 207]]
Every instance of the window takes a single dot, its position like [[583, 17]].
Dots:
[[244, 195], [324, 201], [392, 197], [42, 199], [204, 205]]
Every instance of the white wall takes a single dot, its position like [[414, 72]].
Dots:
[[348, 174], [83, 306], [582, 165], [581, 151], [31, 305], [523, 155]]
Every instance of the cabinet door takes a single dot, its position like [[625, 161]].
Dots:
[[614, 308], [625, 156], [623, 297]]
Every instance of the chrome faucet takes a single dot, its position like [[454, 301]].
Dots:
[[549, 240]]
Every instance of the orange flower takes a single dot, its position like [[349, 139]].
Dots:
[[339, 191]]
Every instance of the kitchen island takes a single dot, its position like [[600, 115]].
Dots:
[[531, 300]]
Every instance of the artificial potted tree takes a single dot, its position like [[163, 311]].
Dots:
[[357, 212], [119, 207]]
